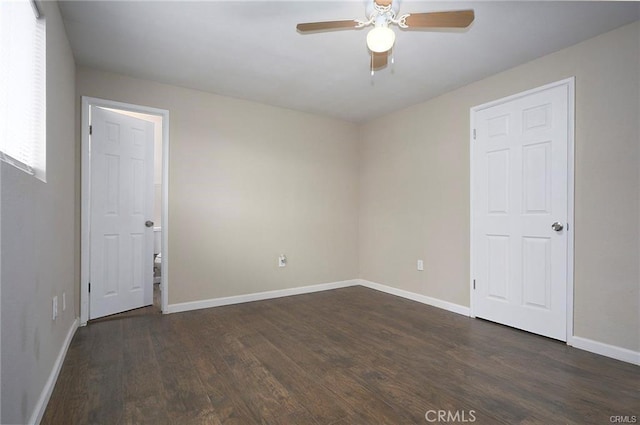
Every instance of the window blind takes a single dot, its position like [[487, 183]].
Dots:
[[22, 87]]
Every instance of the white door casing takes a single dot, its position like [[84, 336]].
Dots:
[[121, 246], [520, 187]]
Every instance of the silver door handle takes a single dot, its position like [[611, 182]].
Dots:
[[557, 226], [148, 223]]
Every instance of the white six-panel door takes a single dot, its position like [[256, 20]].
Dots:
[[121, 248], [520, 189]]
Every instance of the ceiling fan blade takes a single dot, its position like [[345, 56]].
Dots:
[[451, 19], [328, 25], [379, 60]]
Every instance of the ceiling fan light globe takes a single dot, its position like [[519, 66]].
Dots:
[[380, 39]]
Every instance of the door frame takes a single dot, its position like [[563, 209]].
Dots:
[[570, 84], [85, 197]]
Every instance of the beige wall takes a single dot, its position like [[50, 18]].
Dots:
[[248, 182], [414, 186], [39, 243]]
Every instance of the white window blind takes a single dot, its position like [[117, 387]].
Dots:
[[22, 86]]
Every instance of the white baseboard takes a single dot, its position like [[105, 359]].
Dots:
[[435, 302], [45, 395], [615, 352], [607, 350], [258, 296], [238, 299]]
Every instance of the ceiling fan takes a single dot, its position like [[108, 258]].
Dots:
[[381, 38]]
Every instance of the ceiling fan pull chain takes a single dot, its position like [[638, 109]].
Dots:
[[373, 72], [393, 62]]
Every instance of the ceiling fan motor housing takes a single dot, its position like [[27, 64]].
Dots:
[[376, 7]]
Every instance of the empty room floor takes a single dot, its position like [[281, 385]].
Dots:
[[347, 356]]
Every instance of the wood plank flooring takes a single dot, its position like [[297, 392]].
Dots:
[[348, 356]]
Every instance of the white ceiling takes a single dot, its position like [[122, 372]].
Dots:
[[251, 50]]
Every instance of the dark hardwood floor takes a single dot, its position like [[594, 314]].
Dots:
[[348, 356], [154, 308]]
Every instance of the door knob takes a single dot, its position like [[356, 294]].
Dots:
[[148, 223], [557, 226]]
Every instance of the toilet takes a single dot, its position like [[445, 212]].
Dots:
[[157, 256]]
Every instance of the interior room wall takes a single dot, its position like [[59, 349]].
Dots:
[[414, 186], [248, 182], [39, 243]]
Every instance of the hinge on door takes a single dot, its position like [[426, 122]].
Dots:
[[474, 134], [89, 286], [90, 129], [474, 284]]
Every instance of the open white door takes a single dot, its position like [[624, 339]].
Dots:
[[520, 214], [121, 237]]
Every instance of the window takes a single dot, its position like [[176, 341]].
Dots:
[[22, 86]]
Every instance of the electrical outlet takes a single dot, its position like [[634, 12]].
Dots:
[[54, 315], [420, 265], [64, 301], [282, 261]]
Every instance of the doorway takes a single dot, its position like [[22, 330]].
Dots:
[[123, 280], [522, 210]]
